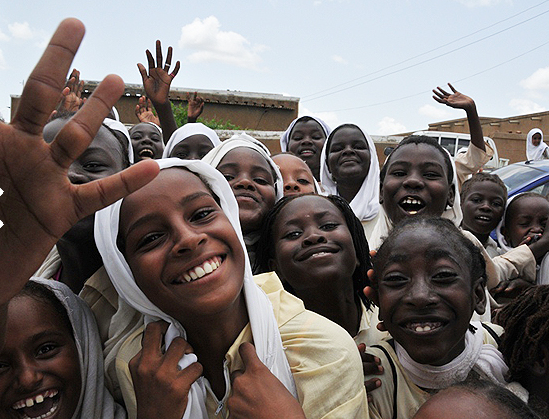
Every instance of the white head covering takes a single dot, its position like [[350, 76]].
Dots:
[[263, 324], [95, 400], [384, 225], [120, 127], [365, 204], [534, 152], [214, 157], [285, 138], [187, 130]]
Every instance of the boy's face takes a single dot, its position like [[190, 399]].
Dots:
[[425, 295], [483, 207], [528, 219]]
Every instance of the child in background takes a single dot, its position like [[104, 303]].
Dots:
[[429, 279], [191, 142], [305, 138], [349, 168], [525, 345], [146, 141], [483, 200], [536, 149], [296, 175]]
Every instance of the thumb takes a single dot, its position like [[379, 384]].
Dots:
[[249, 356]]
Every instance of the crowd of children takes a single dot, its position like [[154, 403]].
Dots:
[[216, 280]]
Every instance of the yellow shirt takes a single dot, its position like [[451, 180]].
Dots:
[[323, 359]]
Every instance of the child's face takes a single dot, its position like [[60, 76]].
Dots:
[[296, 175], [39, 363], [306, 142], [536, 139], [349, 155], [252, 181], [192, 148], [528, 218], [483, 207], [183, 251], [146, 142], [312, 243], [416, 183], [425, 295]]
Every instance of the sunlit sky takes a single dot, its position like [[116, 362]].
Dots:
[[372, 63]]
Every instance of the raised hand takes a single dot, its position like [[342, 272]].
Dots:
[[39, 204], [71, 99], [144, 111], [161, 388], [195, 107], [454, 100], [257, 393]]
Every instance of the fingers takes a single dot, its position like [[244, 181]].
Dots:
[[143, 72], [41, 91], [249, 356], [175, 70], [150, 60], [168, 60], [78, 133], [452, 87], [371, 385], [153, 338], [158, 54]]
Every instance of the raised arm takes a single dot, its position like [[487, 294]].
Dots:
[[195, 107], [39, 204], [157, 87], [144, 111], [460, 101]]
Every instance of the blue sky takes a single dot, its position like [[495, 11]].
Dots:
[[372, 63]]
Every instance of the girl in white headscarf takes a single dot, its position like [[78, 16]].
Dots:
[[536, 149], [68, 359], [191, 142], [350, 169], [174, 251]]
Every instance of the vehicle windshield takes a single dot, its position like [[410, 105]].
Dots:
[[516, 176]]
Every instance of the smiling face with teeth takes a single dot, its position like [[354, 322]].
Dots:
[[146, 142], [39, 364], [182, 249], [425, 292], [306, 141], [483, 206]]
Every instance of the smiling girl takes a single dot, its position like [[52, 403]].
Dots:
[[174, 251]]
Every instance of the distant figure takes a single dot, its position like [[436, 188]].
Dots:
[[536, 149]]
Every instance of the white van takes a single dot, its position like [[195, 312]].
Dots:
[[455, 141]]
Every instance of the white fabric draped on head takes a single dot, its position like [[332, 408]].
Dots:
[[120, 127], [534, 152], [263, 324], [214, 157], [384, 225], [187, 130], [95, 399], [365, 204], [285, 138]]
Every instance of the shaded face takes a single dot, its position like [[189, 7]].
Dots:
[[146, 142], [306, 142], [192, 148], [183, 251], [415, 183], [39, 364], [425, 295], [349, 156], [536, 139], [252, 182], [483, 207], [312, 244], [456, 403], [296, 175], [528, 218]]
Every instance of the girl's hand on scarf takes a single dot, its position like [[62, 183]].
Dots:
[[39, 204], [371, 365], [161, 388], [258, 394]]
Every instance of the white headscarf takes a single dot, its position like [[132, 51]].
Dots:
[[120, 127], [285, 138], [263, 324], [535, 152], [187, 130], [214, 157], [95, 400], [365, 204], [384, 225]]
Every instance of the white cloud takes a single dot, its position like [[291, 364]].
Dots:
[[2, 61], [537, 81], [434, 112], [330, 118], [389, 126], [525, 106], [20, 30], [482, 3], [212, 44], [3, 36], [339, 59]]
